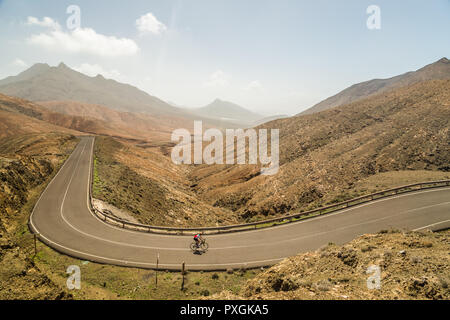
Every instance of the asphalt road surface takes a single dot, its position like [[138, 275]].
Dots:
[[64, 222]]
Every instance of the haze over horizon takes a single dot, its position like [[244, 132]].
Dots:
[[192, 53]]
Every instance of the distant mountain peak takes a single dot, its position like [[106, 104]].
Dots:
[[221, 103], [225, 110], [35, 70], [39, 66], [67, 84]]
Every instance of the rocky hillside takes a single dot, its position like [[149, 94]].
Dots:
[[412, 266], [324, 155], [146, 184], [438, 70], [27, 162], [75, 118], [19, 117], [106, 121]]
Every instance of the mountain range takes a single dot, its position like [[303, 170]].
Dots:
[[42, 82], [61, 86], [404, 128], [124, 108]]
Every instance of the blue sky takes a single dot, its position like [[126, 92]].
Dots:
[[269, 56]]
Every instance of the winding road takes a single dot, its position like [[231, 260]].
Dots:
[[63, 220]]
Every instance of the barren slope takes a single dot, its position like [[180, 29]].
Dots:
[[145, 183], [322, 156], [26, 164], [38, 118], [139, 126], [413, 266], [22, 117]]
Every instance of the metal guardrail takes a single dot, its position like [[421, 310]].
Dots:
[[264, 223]]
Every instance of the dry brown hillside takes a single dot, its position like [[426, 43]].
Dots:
[[138, 126], [31, 151], [27, 162], [149, 187], [324, 155], [21, 117], [412, 266], [32, 115]]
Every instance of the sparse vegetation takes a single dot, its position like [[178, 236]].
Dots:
[[111, 282], [25, 276], [148, 186], [387, 140], [410, 269], [27, 163], [391, 139]]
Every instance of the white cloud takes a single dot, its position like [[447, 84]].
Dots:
[[19, 63], [46, 22], [85, 40], [149, 24], [93, 70], [253, 85], [218, 79]]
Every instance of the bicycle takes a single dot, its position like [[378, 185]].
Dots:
[[203, 246]]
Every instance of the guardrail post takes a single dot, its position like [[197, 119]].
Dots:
[[35, 245], [182, 274], [156, 271]]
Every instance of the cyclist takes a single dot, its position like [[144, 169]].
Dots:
[[198, 239]]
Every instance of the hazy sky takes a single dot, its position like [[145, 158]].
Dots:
[[269, 56]]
